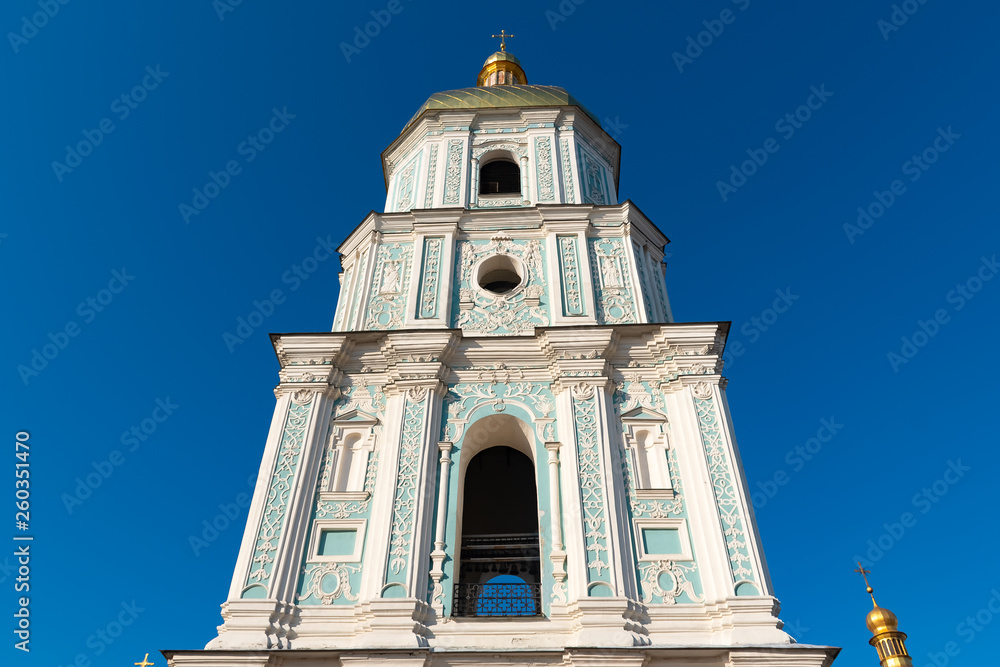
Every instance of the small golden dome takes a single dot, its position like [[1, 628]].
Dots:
[[881, 620], [501, 69]]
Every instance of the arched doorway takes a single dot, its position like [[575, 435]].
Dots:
[[499, 571]]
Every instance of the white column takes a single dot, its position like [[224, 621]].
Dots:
[[474, 179], [558, 555], [525, 195], [438, 555]]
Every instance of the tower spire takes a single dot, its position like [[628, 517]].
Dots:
[[884, 626]]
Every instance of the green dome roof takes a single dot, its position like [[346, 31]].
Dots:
[[497, 97]]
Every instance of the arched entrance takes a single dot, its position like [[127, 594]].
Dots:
[[499, 571]]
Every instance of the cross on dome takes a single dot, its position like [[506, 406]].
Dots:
[[503, 39]]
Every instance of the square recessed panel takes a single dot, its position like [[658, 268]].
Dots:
[[661, 541], [337, 542]]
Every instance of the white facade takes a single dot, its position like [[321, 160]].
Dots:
[[537, 321]]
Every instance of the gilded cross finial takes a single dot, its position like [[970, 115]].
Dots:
[[864, 574], [503, 39], [145, 662]]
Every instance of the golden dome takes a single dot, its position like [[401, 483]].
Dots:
[[501, 69], [881, 620]]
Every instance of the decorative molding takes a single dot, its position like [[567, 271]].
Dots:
[[480, 148], [391, 284], [517, 312], [406, 185], [279, 489], [569, 269], [609, 267], [667, 581], [431, 177], [543, 162], [453, 172], [643, 282], [358, 290], [592, 498], [404, 503], [567, 171], [431, 277], [726, 497], [315, 576]]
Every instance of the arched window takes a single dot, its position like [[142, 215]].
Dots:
[[500, 177], [499, 537]]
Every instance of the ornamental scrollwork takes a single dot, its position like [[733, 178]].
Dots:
[[609, 266], [515, 312], [591, 485], [316, 575], [279, 489], [667, 580], [405, 498], [391, 282], [726, 496]]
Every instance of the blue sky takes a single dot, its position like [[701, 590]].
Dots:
[[165, 290]]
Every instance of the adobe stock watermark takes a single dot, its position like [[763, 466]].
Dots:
[[786, 125], [958, 297], [914, 168], [381, 18], [37, 21], [563, 11], [122, 106], [294, 276], [968, 630], [924, 501], [796, 458], [758, 325], [130, 440], [212, 527], [249, 149], [713, 30], [104, 636], [901, 13], [87, 310]]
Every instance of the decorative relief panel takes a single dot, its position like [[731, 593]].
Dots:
[[431, 177], [515, 312], [328, 583], [640, 263], [615, 303], [390, 287], [664, 581], [723, 483], [594, 178], [343, 302], [569, 269], [429, 286], [499, 390], [406, 185], [362, 264], [661, 286], [404, 504], [567, 171], [276, 502], [592, 498], [453, 171], [543, 160], [333, 583]]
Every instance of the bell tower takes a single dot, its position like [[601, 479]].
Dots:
[[506, 450]]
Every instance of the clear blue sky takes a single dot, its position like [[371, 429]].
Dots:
[[886, 94]]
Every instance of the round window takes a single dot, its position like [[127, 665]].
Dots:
[[500, 274]]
